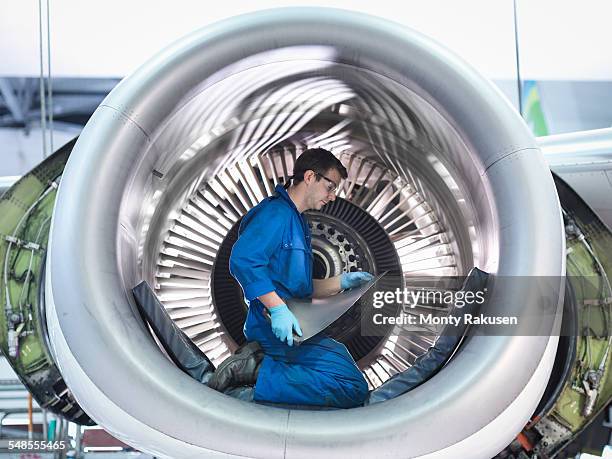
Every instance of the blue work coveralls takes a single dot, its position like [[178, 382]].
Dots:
[[273, 253]]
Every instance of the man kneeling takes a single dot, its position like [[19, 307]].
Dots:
[[272, 261]]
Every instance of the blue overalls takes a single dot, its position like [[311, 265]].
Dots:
[[273, 253]]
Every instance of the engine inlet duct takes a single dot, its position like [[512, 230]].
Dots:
[[443, 176]]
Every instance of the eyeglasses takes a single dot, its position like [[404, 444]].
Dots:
[[331, 185]]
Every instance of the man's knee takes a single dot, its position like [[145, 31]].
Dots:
[[353, 394], [354, 389], [361, 391]]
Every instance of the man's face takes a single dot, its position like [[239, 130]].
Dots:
[[320, 192]]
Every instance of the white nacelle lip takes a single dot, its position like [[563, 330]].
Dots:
[[121, 379], [107, 414]]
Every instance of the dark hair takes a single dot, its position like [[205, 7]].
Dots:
[[318, 160]]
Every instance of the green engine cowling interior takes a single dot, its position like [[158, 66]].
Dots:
[[25, 218], [560, 418], [589, 270]]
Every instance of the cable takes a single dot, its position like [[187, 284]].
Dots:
[[43, 114], [49, 83], [46, 98], [518, 65]]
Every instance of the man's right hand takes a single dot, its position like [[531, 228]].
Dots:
[[283, 323]]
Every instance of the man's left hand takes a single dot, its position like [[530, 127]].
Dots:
[[352, 280]]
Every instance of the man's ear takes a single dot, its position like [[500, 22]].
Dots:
[[309, 176]]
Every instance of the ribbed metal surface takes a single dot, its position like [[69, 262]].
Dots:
[[397, 224], [400, 230]]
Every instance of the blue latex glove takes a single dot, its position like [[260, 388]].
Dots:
[[351, 280], [283, 323]]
